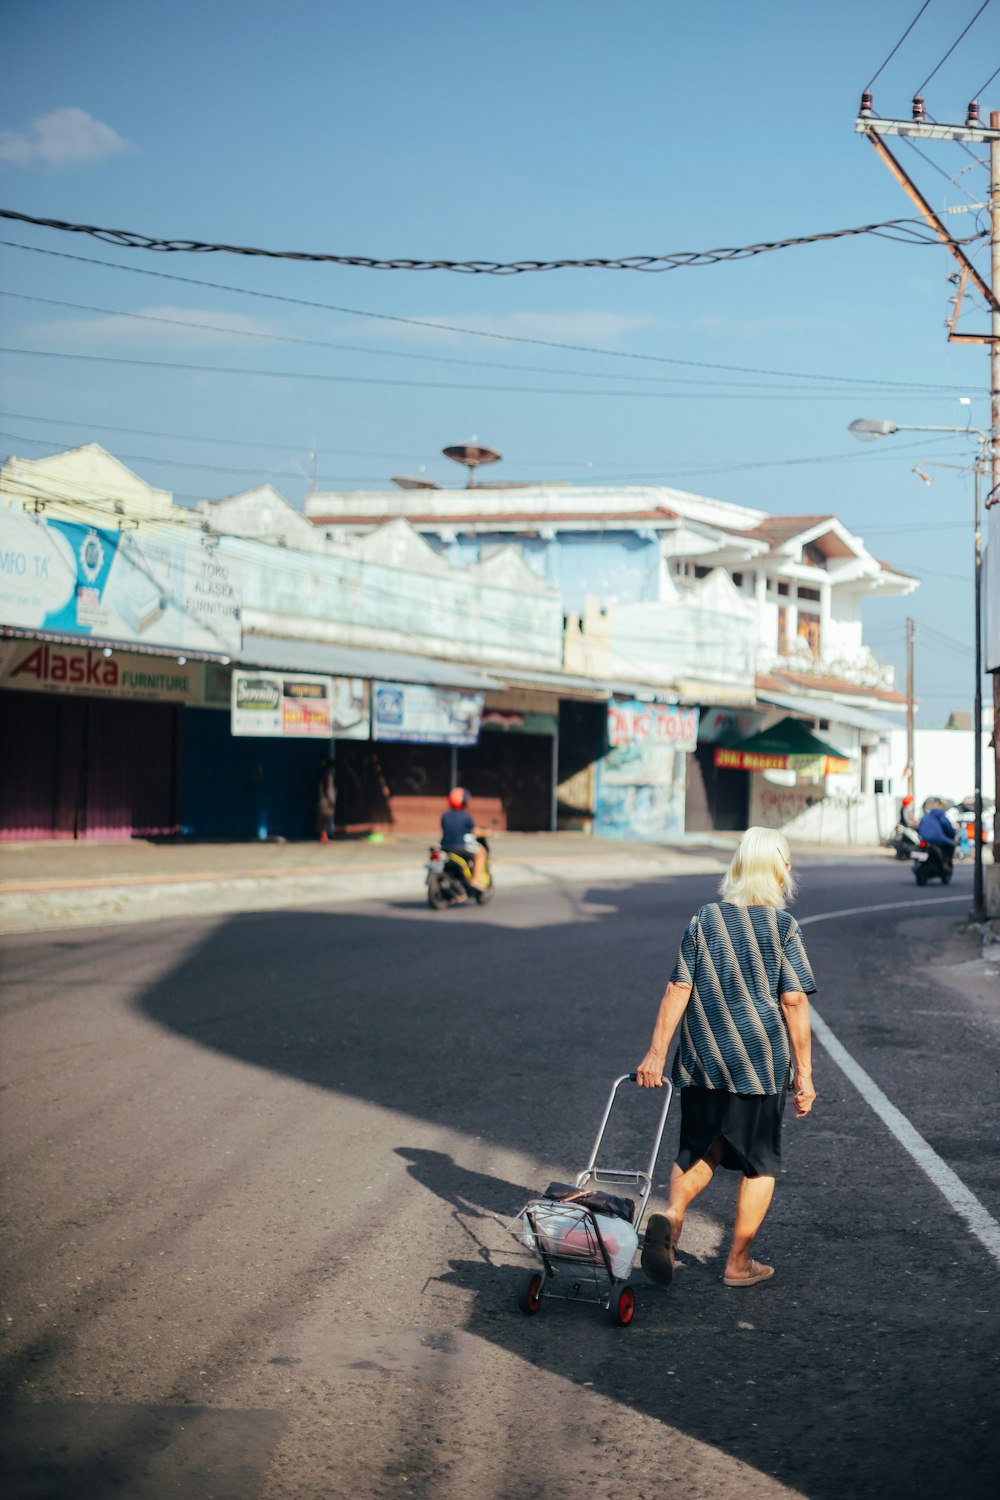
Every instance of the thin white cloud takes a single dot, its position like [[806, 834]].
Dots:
[[63, 138], [588, 326], [168, 328]]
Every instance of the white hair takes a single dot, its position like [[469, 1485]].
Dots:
[[760, 873]]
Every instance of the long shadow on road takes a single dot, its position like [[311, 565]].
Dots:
[[862, 1369]]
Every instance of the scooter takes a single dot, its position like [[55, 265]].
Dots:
[[449, 878], [932, 862], [904, 841]]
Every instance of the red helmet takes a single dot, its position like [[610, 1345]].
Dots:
[[907, 801], [457, 796]]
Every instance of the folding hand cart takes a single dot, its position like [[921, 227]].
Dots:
[[585, 1242]]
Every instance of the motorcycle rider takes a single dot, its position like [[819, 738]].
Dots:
[[459, 835], [938, 833]]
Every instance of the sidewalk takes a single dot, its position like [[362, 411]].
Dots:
[[78, 884]]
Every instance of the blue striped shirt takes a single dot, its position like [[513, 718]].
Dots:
[[738, 961]]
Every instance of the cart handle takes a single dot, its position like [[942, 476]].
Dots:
[[668, 1095]]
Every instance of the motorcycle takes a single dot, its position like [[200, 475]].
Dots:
[[905, 840], [449, 878], [932, 862]]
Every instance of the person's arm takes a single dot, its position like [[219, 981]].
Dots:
[[795, 1006], [649, 1073]]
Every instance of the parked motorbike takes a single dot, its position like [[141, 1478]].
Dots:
[[905, 840], [932, 862], [449, 878]]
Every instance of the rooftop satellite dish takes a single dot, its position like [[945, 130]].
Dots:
[[408, 482], [472, 456]]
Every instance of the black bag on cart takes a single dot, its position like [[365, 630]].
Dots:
[[596, 1200]]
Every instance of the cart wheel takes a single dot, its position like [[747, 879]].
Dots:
[[529, 1296], [622, 1306]]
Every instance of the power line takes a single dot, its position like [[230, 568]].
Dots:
[[393, 354], [428, 385], [952, 48], [983, 86], [649, 472], [907, 231], [478, 333], [895, 49]]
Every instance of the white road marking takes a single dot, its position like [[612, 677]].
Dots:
[[959, 1197]]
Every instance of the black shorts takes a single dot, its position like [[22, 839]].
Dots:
[[748, 1125]]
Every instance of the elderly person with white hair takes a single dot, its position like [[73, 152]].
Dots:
[[738, 994]]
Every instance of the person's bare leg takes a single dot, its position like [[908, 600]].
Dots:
[[479, 868], [685, 1187], [752, 1202]]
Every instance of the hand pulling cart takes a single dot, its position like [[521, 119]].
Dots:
[[586, 1237]]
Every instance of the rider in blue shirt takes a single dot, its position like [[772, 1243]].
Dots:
[[460, 834], [937, 832]]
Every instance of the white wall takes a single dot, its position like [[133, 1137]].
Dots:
[[945, 760]]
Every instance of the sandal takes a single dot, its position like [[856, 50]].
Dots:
[[757, 1272], [657, 1259]]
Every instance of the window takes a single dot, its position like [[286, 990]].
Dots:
[[811, 594], [812, 554], [738, 580], [783, 590], [808, 630]]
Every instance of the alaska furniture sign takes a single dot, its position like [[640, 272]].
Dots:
[[159, 591]]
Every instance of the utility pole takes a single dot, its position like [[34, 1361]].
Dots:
[[978, 902], [911, 746], [970, 133]]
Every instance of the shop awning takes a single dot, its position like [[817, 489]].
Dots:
[[787, 746], [276, 654], [835, 713]]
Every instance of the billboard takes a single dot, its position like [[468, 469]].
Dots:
[[298, 705], [667, 724], [167, 592], [991, 592], [428, 715]]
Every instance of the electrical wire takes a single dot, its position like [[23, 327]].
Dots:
[[895, 49], [905, 230], [429, 385], [983, 86], [393, 354], [649, 473], [951, 49], [453, 328]]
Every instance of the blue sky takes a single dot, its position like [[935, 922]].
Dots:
[[562, 128]]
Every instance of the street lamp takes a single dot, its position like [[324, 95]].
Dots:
[[867, 428]]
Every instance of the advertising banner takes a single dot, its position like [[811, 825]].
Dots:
[[428, 715], [667, 724], [44, 667], [298, 705], [169, 592]]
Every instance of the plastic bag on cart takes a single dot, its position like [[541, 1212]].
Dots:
[[568, 1231]]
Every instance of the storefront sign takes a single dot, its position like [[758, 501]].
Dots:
[[44, 667], [410, 711], [636, 723], [273, 705], [152, 589]]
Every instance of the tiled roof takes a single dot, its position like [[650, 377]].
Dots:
[[777, 530], [779, 680]]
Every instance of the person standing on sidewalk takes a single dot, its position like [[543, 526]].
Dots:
[[326, 801], [738, 993]]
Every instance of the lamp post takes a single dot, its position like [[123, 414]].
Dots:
[[865, 428]]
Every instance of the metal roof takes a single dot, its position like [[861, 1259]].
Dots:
[[275, 653], [824, 708]]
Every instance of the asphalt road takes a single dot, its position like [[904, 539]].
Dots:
[[256, 1171]]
